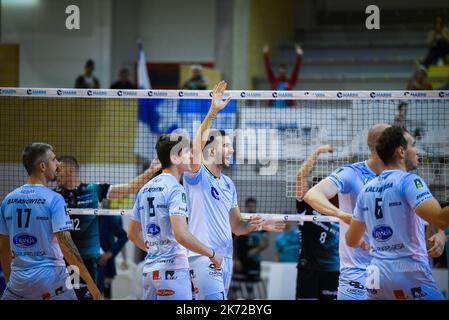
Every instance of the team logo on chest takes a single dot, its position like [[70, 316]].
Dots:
[[214, 193]]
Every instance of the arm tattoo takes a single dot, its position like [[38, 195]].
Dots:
[[67, 241]]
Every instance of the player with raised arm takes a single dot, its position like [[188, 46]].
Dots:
[[213, 202], [347, 181], [160, 213], [35, 235], [391, 210]]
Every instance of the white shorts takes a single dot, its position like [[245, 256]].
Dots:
[[167, 285], [46, 283], [351, 284], [404, 280], [207, 280]]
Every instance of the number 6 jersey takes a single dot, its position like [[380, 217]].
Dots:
[[387, 206]]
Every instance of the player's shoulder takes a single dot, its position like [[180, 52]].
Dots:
[[348, 168], [410, 178], [227, 181]]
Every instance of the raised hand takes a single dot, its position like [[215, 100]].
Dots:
[[217, 96], [266, 48], [325, 149]]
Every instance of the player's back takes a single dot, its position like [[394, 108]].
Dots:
[[387, 206], [31, 215], [160, 198], [350, 180]]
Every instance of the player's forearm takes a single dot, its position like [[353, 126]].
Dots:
[[444, 218], [121, 190], [190, 242], [138, 242], [73, 257], [320, 203], [242, 227], [303, 175], [200, 140], [5, 256]]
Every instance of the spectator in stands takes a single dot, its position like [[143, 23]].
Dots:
[[288, 244], [197, 80], [419, 81], [438, 42], [281, 82], [112, 239], [87, 80], [319, 262], [123, 81], [246, 281]]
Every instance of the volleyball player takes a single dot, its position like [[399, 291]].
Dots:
[[160, 212], [213, 203], [86, 232], [34, 235], [318, 263], [347, 181], [392, 209]]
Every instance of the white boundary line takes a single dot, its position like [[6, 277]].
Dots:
[[266, 216], [234, 94]]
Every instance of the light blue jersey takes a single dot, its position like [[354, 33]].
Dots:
[[397, 236], [30, 216], [349, 180], [387, 206], [210, 201], [162, 197]]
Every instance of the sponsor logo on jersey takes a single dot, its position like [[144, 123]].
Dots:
[[153, 229], [418, 293], [170, 275], [418, 183], [24, 240], [156, 275], [165, 292], [382, 233], [214, 193], [338, 171], [400, 294]]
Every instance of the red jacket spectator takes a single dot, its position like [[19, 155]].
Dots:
[[281, 82]]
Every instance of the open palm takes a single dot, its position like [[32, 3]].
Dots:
[[217, 96]]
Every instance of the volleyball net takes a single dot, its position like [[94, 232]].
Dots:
[[112, 134]]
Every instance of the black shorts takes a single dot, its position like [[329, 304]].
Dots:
[[316, 284]]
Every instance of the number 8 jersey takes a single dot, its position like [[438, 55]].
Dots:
[[30, 216], [387, 206]]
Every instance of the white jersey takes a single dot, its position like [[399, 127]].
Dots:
[[387, 206], [210, 201], [350, 180], [159, 199]]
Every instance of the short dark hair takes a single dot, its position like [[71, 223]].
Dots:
[[391, 139], [166, 143], [212, 134], [70, 160], [250, 200], [90, 63], [34, 153]]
